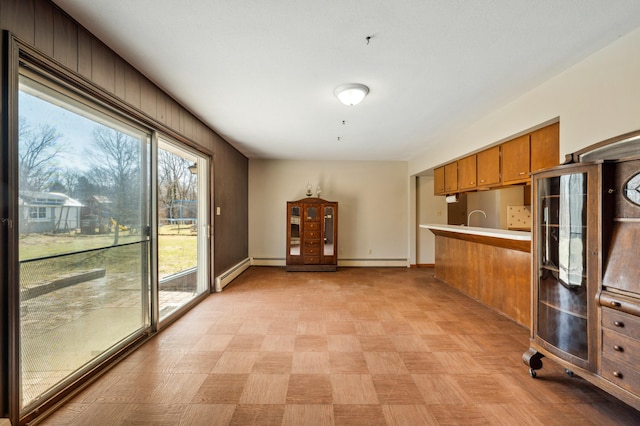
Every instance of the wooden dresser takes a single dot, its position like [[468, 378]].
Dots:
[[312, 235]]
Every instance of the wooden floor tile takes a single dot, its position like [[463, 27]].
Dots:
[[265, 389], [261, 414], [358, 415], [221, 389], [353, 389], [309, 389], [235, 363], [208, 414], [311, 344], [317, 415], [396, 389], [405, 415]]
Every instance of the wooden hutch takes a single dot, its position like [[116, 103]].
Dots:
[[312, 235]]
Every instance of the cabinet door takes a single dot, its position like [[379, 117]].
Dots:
[[515, 160], [488, 167], [294, 233], [451, 178], [545, 147], [329, 249], [467, 173], [565, 273], [438, 181]]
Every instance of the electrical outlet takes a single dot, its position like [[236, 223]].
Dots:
[[370, 251]]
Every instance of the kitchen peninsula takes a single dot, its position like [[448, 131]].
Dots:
[[491, 265]]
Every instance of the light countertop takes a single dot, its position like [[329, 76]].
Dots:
[[486, 232]]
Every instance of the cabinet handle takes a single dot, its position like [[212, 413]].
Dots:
[[615, 304], [618, 324], [521, 173], [482, 180], [618, 348], [617, 374]]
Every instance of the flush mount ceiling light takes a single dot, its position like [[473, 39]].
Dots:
[[351, 94]]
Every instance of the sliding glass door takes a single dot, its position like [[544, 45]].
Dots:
[[84, 202], [183, 226]]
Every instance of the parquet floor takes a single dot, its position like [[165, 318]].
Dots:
[[362, 346]]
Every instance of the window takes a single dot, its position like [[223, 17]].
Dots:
[[37, 212]]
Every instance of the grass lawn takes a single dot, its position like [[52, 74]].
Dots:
[[177, 247]]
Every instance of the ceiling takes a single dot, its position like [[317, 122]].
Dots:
[[263, 73]]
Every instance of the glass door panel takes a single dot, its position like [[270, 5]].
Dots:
[[562, 234], [83, 248], [328, 231], [183, 226], [294, 231]]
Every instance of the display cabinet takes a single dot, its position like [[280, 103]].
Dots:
[[312, 235], [565, 264]]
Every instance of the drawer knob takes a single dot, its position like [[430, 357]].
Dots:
[[617, 374], [618, 324], [615, 304], [618, 348]]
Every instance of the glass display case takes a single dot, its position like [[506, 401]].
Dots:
[[566, 264]]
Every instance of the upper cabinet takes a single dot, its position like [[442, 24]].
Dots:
[[509, 163], [545, 147], [515, 160], [438, 181], [467, 173], [489, 167], [451, 178]]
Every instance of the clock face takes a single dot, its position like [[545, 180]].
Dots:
[[632, 189]]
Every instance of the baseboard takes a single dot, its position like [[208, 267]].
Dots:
[[374, 263], [230, 274], [371, 263], [268, 261], [426, 265]]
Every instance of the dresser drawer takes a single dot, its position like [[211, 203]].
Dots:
[[311, 260], [620, 348], [315, 250], [311, 235], [621, 322], [621, 375], [312, 226], [312, 243]]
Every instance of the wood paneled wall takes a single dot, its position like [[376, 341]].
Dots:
[[42, 25]]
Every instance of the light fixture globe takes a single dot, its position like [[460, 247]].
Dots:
[[351, 94]]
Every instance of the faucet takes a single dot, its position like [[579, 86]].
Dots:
[[475, 211]]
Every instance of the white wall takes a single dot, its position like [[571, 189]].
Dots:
[[373, 215], [596, 99], [431, 209], [494, 203]]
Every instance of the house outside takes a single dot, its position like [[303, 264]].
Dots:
[[48, 212]]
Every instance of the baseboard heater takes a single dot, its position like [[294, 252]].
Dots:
[[230, 274]]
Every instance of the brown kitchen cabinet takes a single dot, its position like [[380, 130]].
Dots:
[[545, 147], [488, 168], [451, 178], [515, 160], [467, 173], [438, 181], [312, 235]]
